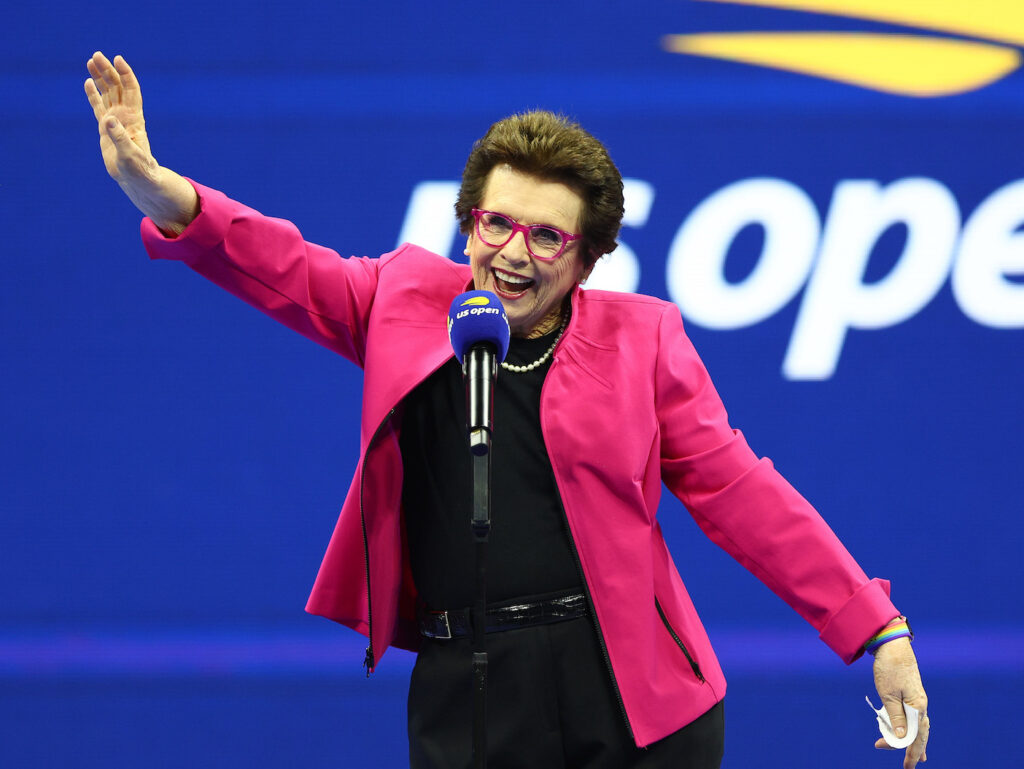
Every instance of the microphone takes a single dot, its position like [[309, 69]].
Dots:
[[479, 333]]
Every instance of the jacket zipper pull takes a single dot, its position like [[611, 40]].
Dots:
[[368, 660]]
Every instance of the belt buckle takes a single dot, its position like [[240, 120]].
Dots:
[[443, 616]]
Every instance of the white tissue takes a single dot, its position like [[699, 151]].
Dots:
[[885, 725]]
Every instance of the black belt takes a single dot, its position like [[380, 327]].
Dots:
[[455, 624]]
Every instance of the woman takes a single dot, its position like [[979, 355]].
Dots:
[[598, 658]]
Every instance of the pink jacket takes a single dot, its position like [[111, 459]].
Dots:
[[626, 405]]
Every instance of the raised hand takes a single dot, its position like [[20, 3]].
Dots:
[[116, 100]]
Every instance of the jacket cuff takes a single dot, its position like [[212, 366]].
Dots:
[[204, 233], [858, 619]]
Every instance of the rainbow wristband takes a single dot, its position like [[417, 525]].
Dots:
[[897, 628]]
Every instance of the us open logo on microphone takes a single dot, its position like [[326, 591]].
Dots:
[[476, 308], [477, 317], [477, 311]]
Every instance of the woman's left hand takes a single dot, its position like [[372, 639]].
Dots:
[[899, 683]]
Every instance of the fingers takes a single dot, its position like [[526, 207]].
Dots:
[[126, 148], [127, 76], [917, 751], [116, 82], [97, 88], [128, 160], [897, 716], [914, 754], [99, 109], [112, 84], [103, 74]]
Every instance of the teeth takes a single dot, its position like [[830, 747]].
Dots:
[[509, 278]]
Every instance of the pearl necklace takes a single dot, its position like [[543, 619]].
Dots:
[[542, 359]]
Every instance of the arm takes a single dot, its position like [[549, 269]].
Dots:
[[262, 260], [746, 507], [749, 510], [266, 262]]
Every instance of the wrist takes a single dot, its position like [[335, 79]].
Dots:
[[166, 197], [898, 627]]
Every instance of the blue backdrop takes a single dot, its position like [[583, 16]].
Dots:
[[842, 233]]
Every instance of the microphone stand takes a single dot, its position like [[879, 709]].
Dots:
[[480, 365]]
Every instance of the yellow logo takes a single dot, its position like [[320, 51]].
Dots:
[[915, 63], [475, 300]]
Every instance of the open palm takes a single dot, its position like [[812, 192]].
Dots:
[[114, 92], [116, 99]]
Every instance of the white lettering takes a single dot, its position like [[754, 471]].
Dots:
[[696, 259], [620, 270], [986, 266], [430, 219], [991, 248], [837, 298]]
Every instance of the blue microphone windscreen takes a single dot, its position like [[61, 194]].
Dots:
[[477, 316]]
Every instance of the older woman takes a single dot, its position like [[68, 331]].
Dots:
[[598, 658]]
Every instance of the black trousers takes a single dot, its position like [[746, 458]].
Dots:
[[550, 703]]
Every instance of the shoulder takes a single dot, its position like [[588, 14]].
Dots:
[[626, 333], [634, 316], [409, 256], [413, 276], [622, 302]]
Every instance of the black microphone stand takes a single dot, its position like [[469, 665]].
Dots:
[[480, 366]]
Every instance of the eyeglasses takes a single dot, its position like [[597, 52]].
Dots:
[[543, 241]]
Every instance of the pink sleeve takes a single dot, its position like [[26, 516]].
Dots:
[[266, 262], [746, 507]]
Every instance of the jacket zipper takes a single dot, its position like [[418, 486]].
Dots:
[[679, 641], [586, 587], [368, 660], [593, 617]]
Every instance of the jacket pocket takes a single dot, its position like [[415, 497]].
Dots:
[[679, 641]]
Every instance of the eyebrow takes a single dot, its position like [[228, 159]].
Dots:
[[533, 224]]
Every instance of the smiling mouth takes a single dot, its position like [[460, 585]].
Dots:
[[510, 285]]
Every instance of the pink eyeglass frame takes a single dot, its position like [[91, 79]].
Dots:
[[567, 237]]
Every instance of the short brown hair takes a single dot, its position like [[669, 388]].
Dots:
[[551, 147]]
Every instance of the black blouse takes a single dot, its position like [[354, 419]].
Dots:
[[529, 552]]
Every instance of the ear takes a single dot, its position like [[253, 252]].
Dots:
[[585, 273]]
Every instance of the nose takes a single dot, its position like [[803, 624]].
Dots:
[[515, 251]]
